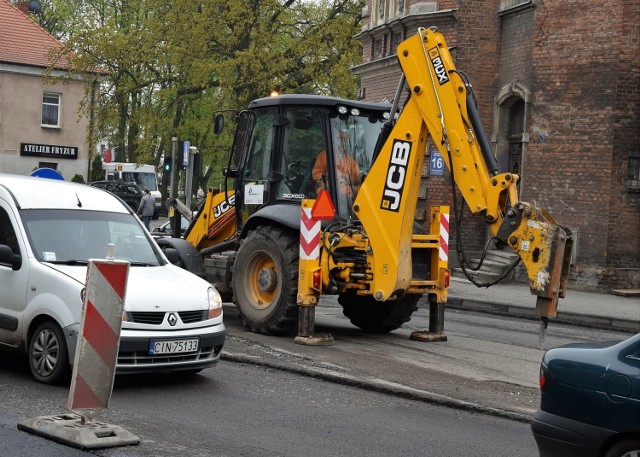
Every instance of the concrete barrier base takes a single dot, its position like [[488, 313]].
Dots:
[[71, 429]]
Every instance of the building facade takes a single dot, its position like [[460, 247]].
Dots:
[[40, 122], [558, 89]]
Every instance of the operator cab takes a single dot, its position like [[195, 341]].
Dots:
[[279, 139]]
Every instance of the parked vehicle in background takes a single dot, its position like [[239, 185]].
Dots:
[[165, 229], [49, 229], [143, 175], [590, 401], [130, 192]]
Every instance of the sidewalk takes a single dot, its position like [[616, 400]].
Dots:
[[589, 309]]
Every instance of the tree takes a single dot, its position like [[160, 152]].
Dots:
[[78, 178], [97, 173], [167, 66]]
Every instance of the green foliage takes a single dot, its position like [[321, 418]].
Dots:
[[97, 173], [78, 178], [166, 66]]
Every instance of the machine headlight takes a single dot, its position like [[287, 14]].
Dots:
[[215, 303]]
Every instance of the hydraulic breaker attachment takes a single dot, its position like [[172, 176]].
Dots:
[[544, 248]]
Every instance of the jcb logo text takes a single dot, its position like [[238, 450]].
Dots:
[[223, 207], [396, 175]]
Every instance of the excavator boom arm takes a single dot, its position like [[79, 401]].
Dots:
[[439, 105]]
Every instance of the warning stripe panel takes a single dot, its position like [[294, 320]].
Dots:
[[309, 236], [97, 351], [444, 237], [116, 274], [83, 397], [99, 334]]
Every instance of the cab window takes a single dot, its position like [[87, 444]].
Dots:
[[303, 140]]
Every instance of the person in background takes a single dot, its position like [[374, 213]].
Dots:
[[146, 208]]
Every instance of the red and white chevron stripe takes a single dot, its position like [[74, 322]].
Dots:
[[309, 236], [97, 351], [444, 237]]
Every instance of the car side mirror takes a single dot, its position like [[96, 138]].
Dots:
[[230, 172], [7, 257]]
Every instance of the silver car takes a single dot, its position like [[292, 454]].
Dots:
[[49, 229]]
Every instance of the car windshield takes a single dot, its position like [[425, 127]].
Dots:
[[75, 236], [143, 179]]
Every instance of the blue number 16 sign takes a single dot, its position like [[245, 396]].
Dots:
[[436, 165]]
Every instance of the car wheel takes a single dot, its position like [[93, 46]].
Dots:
[[629, 447], [265, 281], [48, 355]]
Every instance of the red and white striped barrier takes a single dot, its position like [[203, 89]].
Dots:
[[309, 235], [97, 351], [444, 237]]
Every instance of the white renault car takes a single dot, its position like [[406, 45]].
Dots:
[[49, 229]]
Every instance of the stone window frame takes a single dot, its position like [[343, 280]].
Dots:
[[500, 138], [397, 8], [377, 12], [633, 172]]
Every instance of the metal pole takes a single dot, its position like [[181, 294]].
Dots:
[[174, 147], [189, 184], [175, 226]]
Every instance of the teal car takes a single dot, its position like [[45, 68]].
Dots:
[[590, 401]]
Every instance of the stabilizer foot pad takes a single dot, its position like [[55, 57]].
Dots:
[[321, 339], [428, 336]]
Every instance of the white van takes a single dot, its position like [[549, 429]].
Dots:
[[48, 231], [144, 176]]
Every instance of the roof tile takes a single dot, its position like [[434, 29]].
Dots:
[[24, 42]]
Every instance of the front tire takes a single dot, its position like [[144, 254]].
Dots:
[[374, 316], [265, 281], [629, 447], [48, 355]]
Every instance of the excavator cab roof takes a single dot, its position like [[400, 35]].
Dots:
[[318, 100]]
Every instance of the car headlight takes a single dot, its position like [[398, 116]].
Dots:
[[215, 303]]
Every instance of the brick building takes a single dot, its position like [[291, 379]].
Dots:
[[558, 87], [40, 124]]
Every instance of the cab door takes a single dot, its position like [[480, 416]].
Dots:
[[13, 283], [252, 155]]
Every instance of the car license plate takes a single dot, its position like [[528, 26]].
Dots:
[[173, 346]]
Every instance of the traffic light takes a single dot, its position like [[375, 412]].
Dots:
[[181, 153], [166, 165], [197, 164]]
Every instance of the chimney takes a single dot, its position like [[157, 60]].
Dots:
[[23, 5]]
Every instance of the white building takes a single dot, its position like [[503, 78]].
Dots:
[[40, 124]]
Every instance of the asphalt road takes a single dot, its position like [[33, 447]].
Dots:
[[246, 410], [488, 364], [366, 395]]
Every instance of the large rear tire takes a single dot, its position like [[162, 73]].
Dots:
[[265, 281], [374, 316]]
